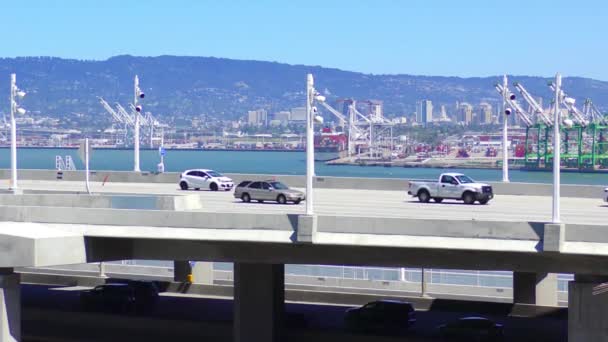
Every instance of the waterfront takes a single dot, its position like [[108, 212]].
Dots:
[[267, 162]]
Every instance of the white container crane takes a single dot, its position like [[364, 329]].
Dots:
[[519, 111], [538, 110], [593, 113], [354, 132], [569, 103], [127, 117]]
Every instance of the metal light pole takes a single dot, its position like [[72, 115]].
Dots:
[[13, 135], [310, 144], [556, 150], [505, 152], [162, 145], [15, 92], [136, 92], [86, 165]]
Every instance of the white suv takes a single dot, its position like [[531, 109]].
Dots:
[[202, 178]]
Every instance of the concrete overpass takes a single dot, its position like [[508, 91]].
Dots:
[[351, 227]]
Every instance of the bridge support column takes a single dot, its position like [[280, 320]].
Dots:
[[181, 270], [10, 306], [535, 288], [259, 302], [587, 313]]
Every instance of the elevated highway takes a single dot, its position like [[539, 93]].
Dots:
[[350, 227]]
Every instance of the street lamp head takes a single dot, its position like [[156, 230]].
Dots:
[[138, 109], [508, 111], [20, 94], [568, 123], [319, 119], [142, 95], [569, 101], [320, 98], [21, 111], [512, 96]]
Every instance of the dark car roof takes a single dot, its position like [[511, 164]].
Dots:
[[474, 318], [392, 302], [113, 285]]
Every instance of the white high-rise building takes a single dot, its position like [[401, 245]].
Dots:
[[282, 116], [257, 117], [426, 109], [298, 114]]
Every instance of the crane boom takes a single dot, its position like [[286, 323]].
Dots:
[[337, 114], [128, 119], [568, 102], [142, 119], [110, 110], [521, 113], [538, 110], [592, 113]]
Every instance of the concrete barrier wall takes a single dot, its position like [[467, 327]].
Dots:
[[425, 227], [145, 202], [149, 218], [526, 189], [277, 222]]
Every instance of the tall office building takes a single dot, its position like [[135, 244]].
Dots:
[[282, 116], [298, 114], [465, 113], [426, 111], [257, 117], [485, 113]]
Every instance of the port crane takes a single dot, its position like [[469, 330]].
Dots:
[[354, 133], [121, 116], [539, 113], [569, 103], [585, 131], [362, 129], [117, 118], [593, 113], [512, 102]]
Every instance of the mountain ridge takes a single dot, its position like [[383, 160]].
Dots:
[[227, 88]]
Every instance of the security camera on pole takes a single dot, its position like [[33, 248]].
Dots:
[[311, 118], [310, 148], [556, 149], [15, 93], [505, 151], [138, 94]]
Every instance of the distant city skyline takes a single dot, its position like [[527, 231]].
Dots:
[[474, 38]]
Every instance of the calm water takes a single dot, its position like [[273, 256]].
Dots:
[[266, 162]]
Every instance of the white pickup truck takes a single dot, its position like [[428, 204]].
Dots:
[[453, 186]]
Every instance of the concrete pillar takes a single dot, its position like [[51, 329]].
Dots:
[[587, 313], [181, 270], [259, 302], [535, 288], [10, 306]]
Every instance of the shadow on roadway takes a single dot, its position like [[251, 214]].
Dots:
[[450, 202]]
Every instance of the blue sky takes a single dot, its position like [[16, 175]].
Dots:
[[432, 37]]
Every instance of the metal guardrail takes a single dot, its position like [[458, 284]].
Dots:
[[500, 280]]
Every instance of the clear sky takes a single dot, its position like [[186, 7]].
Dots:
[[422, 37]]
